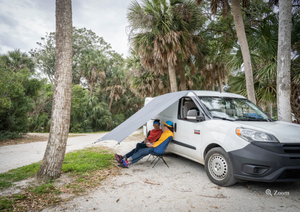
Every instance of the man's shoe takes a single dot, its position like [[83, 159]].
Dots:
[[119, 158], [122, 165]]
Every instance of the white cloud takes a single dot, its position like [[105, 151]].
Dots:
[[23, 23]]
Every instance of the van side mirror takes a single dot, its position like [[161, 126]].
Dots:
[[193, 116]]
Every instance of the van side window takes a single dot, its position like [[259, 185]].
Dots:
[[187, 107]]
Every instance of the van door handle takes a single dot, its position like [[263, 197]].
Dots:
[[175, 127]]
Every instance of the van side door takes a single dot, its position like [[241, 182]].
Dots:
[[187, 130]]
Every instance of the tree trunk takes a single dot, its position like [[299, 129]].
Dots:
[[172, 76], [212, 86], [240, 30], [220, 83], [91, 88], [182, 77], [295, 101], [111, 98], [271, 109], [60, 121], [284, 61]]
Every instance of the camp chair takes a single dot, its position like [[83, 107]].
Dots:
[[158, 153], [157, 158]]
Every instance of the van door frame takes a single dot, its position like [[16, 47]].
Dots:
[[201, 106], [188, 149]]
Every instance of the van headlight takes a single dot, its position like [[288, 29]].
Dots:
[[254, 135]]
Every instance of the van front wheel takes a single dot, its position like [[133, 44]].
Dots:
[[218, 167]]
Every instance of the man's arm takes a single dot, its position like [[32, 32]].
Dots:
[[163, 138], [149, 145]]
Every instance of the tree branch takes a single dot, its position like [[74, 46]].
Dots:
[[230, 27], [218, 31]]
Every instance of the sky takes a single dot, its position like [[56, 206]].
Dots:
[[24, 22]]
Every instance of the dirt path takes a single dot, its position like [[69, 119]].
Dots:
[[182, 187], [14, 156]]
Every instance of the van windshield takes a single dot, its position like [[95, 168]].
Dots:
[[233, 109]]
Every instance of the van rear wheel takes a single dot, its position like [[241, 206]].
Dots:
[[218, 167]]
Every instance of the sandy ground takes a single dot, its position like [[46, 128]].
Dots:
[[182, 187]]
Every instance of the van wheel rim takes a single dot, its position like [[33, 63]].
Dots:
[[217, 167]]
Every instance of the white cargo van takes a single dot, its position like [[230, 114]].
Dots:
[[231, 137]]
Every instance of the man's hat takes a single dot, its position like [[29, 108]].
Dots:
[[168, 123], [156, 121]]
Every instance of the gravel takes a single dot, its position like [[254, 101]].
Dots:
[[182, 187]]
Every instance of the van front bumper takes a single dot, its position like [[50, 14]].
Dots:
[[267, 162]]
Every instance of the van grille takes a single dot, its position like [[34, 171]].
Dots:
[[290, 174], [291, 148]]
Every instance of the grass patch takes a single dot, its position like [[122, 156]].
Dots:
[[78, 163], [7, 203], [14, 175], [31, 199], [87, 168], [87, 160], [44, 189]]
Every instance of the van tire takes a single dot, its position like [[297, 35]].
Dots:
[[218, 167]]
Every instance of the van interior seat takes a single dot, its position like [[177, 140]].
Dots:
[[186, 107], [231, 112]]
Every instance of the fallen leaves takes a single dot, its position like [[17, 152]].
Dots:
[[31, 199]]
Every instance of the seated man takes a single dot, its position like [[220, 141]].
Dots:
[[153, 136], [157, 147]]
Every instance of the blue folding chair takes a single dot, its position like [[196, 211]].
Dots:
[[158, 152], [157, 158]]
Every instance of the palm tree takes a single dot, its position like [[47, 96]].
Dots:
[[284, 61], [264, 43], [144, 82], [149, 84], [93, 64], [60, 121], [163, 33], [214, 74], [115, 84], [295, 66], [295, 88], [240, 30]]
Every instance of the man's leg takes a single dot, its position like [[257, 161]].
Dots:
[[137, 148], [140, 154]]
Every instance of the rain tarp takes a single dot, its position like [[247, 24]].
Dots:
[[153, 108]]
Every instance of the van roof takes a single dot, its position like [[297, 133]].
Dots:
[[215, 94]]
